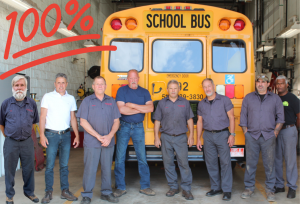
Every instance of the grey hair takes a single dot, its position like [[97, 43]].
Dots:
[[99, 77], [282, 77], [61, 75], [132, 70], [17, 78], [173, 81], [208, 79]]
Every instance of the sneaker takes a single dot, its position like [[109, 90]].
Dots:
[[9, 200], [247, 194], [33, 198], [47, 197], [119, 193], [66, 194], [271, 196], [85, 200], [227, 196], [148, 192], [110, 198], [291, 194]]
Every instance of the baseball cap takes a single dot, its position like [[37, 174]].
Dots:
[[264, 77]]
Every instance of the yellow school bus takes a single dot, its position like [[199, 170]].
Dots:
[[186, 42]]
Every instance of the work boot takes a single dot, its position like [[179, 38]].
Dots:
[[33, 198], [172, 192], [148, 192], [119, 193], [66, 194], [279, 190], [85, 200], [291, 194], [213, 193], [271, 196], [247, 194], [187, 195], [110, 198], [47, 198], [9, 200]]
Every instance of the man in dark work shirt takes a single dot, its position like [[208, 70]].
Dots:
[[17, 115], [287, 139], [262, 117]]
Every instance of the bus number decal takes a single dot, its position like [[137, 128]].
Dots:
[[185, 88]]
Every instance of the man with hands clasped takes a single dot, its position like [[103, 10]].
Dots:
[[99, 116], [174, 114]]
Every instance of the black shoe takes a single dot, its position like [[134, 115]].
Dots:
[[85, 200], [213, 193], [110, 198], [279, 190], [227, 196], [291, 194]]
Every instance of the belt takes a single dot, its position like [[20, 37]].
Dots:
[[131, 123], [58, 132], [215, 131], [287, 126], [18, 140], [174, 135]]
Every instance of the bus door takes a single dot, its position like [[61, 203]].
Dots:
[[180, 58]]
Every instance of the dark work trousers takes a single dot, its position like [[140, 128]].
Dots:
[[13, 150], [92, 157], [286, 143], [216, 144], [253, 148], [169, 144]]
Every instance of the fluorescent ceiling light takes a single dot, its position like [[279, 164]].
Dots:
[[264, 48], [290, 31], [89, 43], [64, 30], [18, 4]]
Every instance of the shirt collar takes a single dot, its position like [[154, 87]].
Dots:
[[218, 97], [94, 97], [179, 98], [58, 94], [13, 100]]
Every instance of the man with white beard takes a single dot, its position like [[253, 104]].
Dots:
[[17, 116]]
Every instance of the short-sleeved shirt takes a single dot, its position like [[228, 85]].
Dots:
[[173, 115], [100, 115], [261, 116], [18, 118], [291, 106], [138, 96], [58, 110], [215, 114]]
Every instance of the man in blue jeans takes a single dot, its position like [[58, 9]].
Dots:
[[133, 102], [57, 110]]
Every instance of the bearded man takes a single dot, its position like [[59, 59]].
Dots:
[[17, 116]]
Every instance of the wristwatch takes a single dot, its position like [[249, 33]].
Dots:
[[233, 134]]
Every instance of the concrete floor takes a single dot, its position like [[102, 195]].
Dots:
[[158, 182]]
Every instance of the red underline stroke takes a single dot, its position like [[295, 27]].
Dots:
[[55, 42], [55, 57]]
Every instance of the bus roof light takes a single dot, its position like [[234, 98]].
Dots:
[[156, 9], [116, 24], [131, 24], [168, 8], [177, 7], [239, 91], [224, 24], [199, 9], [239, 25], [187, 8], [220, 89]]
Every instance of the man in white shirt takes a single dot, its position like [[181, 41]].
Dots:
[[57, 110]]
